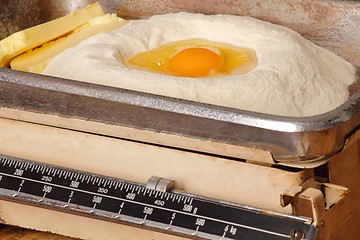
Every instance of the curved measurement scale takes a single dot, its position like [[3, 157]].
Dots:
[[146, 206]]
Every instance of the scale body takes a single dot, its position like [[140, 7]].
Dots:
[[275, 190], [301, 170]]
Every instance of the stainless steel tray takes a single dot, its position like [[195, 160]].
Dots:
[[288, 140]]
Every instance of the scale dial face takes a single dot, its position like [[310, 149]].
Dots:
[[141, 205]]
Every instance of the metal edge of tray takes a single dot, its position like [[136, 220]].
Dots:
[[288, 139]]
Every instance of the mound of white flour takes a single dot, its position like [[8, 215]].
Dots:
[[294, 77]]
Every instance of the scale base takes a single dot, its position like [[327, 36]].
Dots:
[[19, 141]]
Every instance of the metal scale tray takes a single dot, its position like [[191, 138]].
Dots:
[[233, 133], [111, 114]]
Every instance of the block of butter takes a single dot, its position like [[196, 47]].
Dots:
[[36, 60], [30, 38]]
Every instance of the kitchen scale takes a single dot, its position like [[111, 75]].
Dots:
[[96, 162]]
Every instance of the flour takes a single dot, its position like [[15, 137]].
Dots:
[[294, 77]]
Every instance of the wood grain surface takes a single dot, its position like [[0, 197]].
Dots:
[[16, 233]]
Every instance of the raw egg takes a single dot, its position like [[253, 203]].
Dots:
[[195, 58]]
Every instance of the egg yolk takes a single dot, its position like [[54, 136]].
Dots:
[[195, 58], [195, 62]]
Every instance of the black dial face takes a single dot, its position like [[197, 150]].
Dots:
[[132, 203]]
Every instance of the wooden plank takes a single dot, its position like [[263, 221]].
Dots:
[[17, 233]]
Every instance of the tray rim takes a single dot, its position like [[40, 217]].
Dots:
[[299, 137]]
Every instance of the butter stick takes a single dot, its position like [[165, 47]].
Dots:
[[33, 37], [36, 60]]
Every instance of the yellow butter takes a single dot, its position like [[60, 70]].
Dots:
[[36, 60], [30, 38]]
